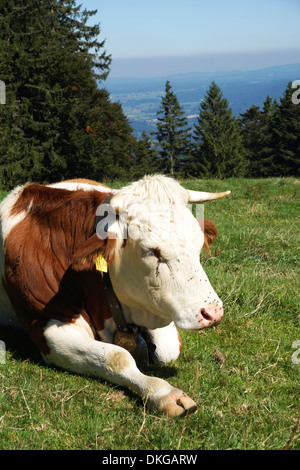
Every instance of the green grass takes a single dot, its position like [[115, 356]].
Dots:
[[241, 373]]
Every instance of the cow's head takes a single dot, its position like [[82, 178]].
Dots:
[[152, 244]]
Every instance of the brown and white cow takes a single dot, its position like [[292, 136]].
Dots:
[[151, 243]]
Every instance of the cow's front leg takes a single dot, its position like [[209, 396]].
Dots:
[[164, 343], [73, 349]]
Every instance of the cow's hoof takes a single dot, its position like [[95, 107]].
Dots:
[[178, 404]]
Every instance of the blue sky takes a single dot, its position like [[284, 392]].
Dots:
[[176, 34]]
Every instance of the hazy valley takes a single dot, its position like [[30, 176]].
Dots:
[[141, 97]]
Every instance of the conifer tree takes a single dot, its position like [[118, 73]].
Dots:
[[257, 131], [56, 122], [287, 136], [252, 137], [266, 154], [172, 132], [145, 159], [218, 146]]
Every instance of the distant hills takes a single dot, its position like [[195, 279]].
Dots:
[[140, 97]]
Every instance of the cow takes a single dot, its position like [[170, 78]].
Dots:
[[147, 245]]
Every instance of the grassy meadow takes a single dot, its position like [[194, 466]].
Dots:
[[240, 373]]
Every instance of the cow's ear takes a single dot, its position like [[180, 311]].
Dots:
[[210, 232], [84, 259]]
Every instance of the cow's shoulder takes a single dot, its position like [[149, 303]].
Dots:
[[44, 227]]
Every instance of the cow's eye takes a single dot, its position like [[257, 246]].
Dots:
[[150, 252], [155, 252]]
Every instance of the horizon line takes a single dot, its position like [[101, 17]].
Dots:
[[156, 67]]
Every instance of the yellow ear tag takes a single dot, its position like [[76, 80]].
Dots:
[[101, 264]]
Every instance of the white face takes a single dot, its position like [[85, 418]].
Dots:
[[158, 277]]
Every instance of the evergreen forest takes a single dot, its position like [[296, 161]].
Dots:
[[58, 121]]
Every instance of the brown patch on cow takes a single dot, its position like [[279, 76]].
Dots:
[[85, 257], [39, 278], [210, 233], [180, 343], [44, 201]]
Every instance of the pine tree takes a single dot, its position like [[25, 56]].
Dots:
[[172, 132], [266, 165], [257, 131], [287, 136], [145, 159], [100, 140], [56, 122], [252, 137], [218, 146]]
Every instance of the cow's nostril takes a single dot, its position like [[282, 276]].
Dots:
[[210, 315], [205, 315]]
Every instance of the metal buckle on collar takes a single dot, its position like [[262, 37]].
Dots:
[[126, 336]]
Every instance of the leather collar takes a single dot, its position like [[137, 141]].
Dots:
[[114, 305], [113, 302]]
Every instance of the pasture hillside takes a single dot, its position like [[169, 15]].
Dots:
[[244, 374]]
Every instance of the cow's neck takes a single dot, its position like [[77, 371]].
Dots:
[[142, 317]]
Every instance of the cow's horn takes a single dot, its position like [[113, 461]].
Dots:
[[199, 196]]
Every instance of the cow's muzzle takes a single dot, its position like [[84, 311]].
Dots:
[[210, 315]]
